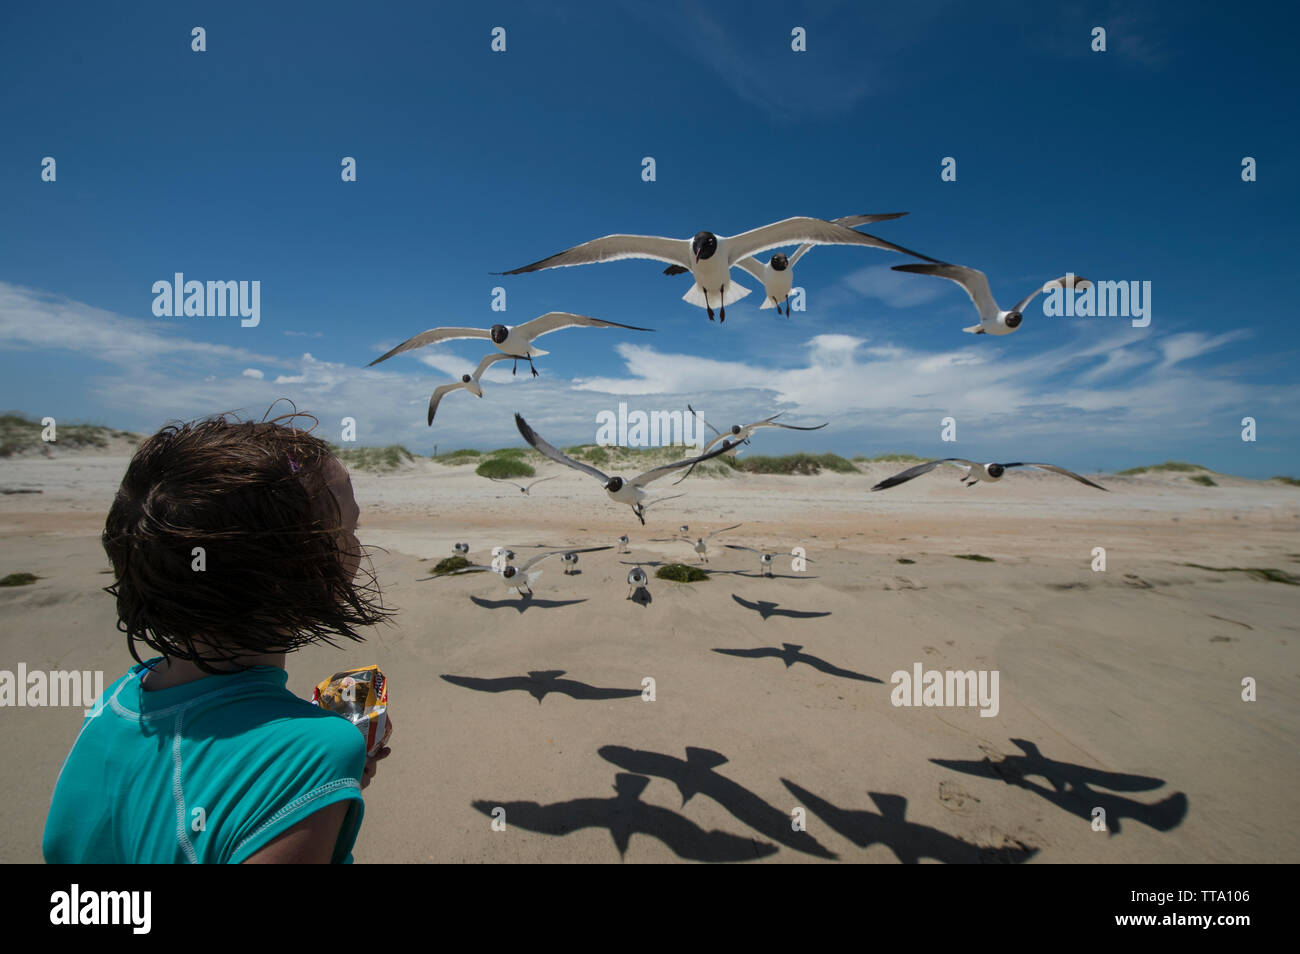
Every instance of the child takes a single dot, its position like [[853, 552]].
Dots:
[[232, 543]]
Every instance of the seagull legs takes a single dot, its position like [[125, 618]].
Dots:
[[530, 364], [640, 513], [722, 315], [707, 307]]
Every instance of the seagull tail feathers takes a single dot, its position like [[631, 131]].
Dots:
[[695, 296]]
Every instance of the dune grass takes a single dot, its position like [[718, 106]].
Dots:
[[458, 457], [374, 458], [19, 433], [1176, 466], [1204, 480], [517, 453], [891, 458], [795, 464], [681, 573], [19, 579], [504, 467], [1293, 481]]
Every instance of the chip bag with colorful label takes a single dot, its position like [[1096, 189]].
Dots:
[[361, 697]]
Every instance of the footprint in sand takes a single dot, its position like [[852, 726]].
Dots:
[[956, 799], [903, 583]]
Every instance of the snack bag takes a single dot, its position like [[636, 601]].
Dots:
[[361, 697]]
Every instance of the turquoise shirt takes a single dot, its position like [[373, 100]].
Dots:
[[206, 772]]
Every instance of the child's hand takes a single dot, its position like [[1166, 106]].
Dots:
[[383, 753]]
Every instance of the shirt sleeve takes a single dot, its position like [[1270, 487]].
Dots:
[[318, 763]]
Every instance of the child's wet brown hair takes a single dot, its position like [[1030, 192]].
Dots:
[[253, 496]]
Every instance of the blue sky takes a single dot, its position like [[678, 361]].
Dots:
[[224, 165]]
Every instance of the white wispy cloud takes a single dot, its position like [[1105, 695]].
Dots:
[[729, 54], [1100, 386]]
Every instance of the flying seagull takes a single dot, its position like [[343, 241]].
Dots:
[[777, 275], [709, 257], [975, 472], [470, 382], [701, 546], [993, 320], [522, 488], [517, 578], [738, 435], [631, 492], [516, 342]]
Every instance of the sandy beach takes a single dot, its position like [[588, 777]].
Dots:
[[1118, 689]]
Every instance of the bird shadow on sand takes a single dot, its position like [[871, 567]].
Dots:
[[766, 608], [641, 597], [1071, 787], [791, 654], [540, 684], [909, 841], [696, 775], [626, 815], [522, 604]]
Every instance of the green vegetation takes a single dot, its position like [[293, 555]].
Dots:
[[891, 458], [905, 560], [681, 573], [456, 458], [1293, 481], [504, 467], [19, 579], [978, 558], [1203, 479], [1174, 465], [516, 453], [795, 464], [450, 564], [1267, 574], [20, 433], [375, 458]]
